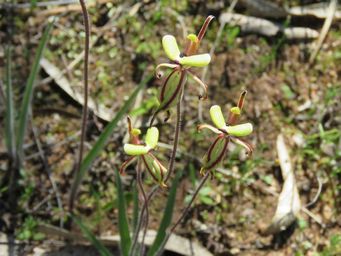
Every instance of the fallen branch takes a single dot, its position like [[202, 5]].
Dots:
[[324, 31], [267, 28], [289, 203]]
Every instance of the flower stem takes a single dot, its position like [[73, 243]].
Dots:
[[176, 140], [170, 170], [145, 202], [184, 213], [144, 213], [86, 91]]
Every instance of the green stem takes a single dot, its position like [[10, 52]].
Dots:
[[142, 215]]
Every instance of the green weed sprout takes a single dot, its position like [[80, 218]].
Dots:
[[226, 132], [139, 150], [180, 63]]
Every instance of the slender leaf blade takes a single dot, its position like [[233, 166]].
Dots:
[[102, 140], [166, 219], [26, 102], [125, 239], [9, 119], [91, 237]]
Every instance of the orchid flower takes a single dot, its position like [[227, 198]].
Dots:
[[180, 65], [142, 151], [227, 132]]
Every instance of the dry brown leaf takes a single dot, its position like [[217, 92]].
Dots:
[[54, 72]]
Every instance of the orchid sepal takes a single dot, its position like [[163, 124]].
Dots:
[[152, 137], [239, 130], [244, 144], [171, 47], [217, 117], [135, 150], [210, 127], [199, 60]]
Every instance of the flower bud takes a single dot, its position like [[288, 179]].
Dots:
[[240, 129], [215, 154]]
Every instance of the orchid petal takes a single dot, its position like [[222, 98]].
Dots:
[[171, 47], [200, 60], [163, 65], [234, 114], [152, 137], [201, 83], [244, 144], [127, 163], [210, 127], [240, 129], [136, 150], [217, 117], [235, 110]]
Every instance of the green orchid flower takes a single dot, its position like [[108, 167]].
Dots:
[[142, 151], [180, 65], [227, 132]]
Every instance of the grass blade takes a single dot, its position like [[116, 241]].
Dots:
[[167, 217], [9, 119], [102, 141], [125, 239], [25, 106], [91, 237]]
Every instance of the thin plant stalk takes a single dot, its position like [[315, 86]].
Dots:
[[176, 140], [145, 199], [183, 214], [86, 87], [142, 216], [170, 170]]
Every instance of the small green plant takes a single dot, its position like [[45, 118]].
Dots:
[[28, 230]]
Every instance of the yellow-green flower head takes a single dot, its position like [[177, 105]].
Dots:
[[181, 62], [152, 138], [138, 150], [226, 132], [239, 130], [172, 51]]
